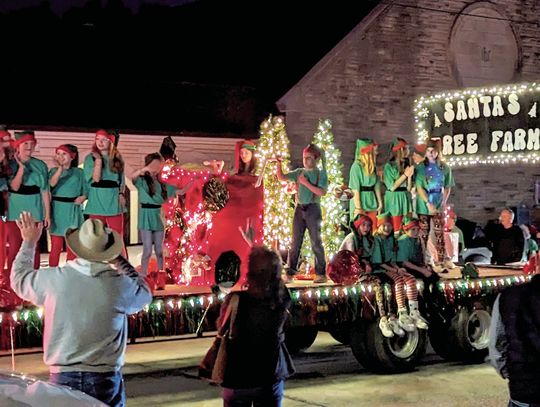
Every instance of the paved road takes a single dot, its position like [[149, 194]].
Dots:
[[328, 375]]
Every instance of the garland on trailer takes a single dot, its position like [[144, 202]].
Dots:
[[326, 305]]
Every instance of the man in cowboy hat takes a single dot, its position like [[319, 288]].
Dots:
[[86, 306]]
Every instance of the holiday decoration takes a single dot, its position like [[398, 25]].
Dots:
[[215, 195], [344, 268], [497, 125], [278, 207]]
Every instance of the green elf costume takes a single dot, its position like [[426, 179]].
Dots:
[[31, 196], [66, 213], [397, 197], [364, 182]]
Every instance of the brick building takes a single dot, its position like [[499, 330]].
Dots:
[[367, 83]]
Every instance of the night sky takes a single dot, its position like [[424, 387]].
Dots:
[[166, 65]]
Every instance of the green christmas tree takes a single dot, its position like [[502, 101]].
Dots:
[[278, 210], [333, 213]]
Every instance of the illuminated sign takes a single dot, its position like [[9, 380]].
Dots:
[[483, 126]]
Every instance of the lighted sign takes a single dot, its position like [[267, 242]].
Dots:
[[483, 126]]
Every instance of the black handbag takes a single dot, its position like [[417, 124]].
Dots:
[[214, 363]]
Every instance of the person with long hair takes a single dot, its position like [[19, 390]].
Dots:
[[311, 184], [28, 191], [104, 174], [152, 195], [398, 181], [258, 359], [434, 182], [245, 161], [68, 194], [361, 242], [384, 257], [364, 182]]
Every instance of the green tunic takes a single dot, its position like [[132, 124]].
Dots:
[[102, 201], [66, 215], [384, 250], [357, 179], [398, 203], [149, 218], [316, 177], [432, 178], [410, 249], [35, 174]]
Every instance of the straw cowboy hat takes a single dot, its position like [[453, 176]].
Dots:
[[93, 241]]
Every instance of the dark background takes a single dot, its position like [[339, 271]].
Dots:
[[208, 66]]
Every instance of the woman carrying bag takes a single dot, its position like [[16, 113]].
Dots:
[[257, 361]]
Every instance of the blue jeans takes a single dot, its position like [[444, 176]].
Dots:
[[307, 217], [151, 238], [107, 387], [266, 396]]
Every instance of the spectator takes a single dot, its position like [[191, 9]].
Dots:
[[507, 242], [258, 356], [86, 306], [514, 343], [531, 247]]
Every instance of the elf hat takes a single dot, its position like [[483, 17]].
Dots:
[[409, 223], [435, 143], [104, 133], [247, 144], [384, 218], [361, 219], [398, 143], [420, 149], [364, 146], [23, 136]]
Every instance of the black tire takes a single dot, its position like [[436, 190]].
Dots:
[[386, 355], [465, 337], [341, 333], [298, 339]]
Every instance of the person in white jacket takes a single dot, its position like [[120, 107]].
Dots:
[[86, 304]]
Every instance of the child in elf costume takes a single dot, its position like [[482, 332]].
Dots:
[[5, 155], [104, 174], [398, 175], [385, 257], [361, 242], [311, 184], [434, 182], [68, 190], [28, 191], [364, 182]]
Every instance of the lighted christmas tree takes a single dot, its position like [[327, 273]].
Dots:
[[278, 210], [333, 213]]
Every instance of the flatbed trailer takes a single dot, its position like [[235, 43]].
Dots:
[[458, 312]]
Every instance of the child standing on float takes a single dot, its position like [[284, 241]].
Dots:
[[385, 257], [5, 155], [152, 195], [68, 194], [311, 184], [364, 182], [28, 191], [434, 182], [398, 181], [104, 175]]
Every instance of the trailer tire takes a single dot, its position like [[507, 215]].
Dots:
[[300, 338], [465, 338], [386, 355], [341, 333]]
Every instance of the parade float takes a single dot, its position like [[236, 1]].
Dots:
[[207, 252]]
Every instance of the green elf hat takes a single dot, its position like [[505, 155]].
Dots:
[[364, 146], [398, 143], [409, 223], [248, 144], [23, 136], [384, 218]]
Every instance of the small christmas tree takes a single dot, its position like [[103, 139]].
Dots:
[[277, 201], [333, 213]]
